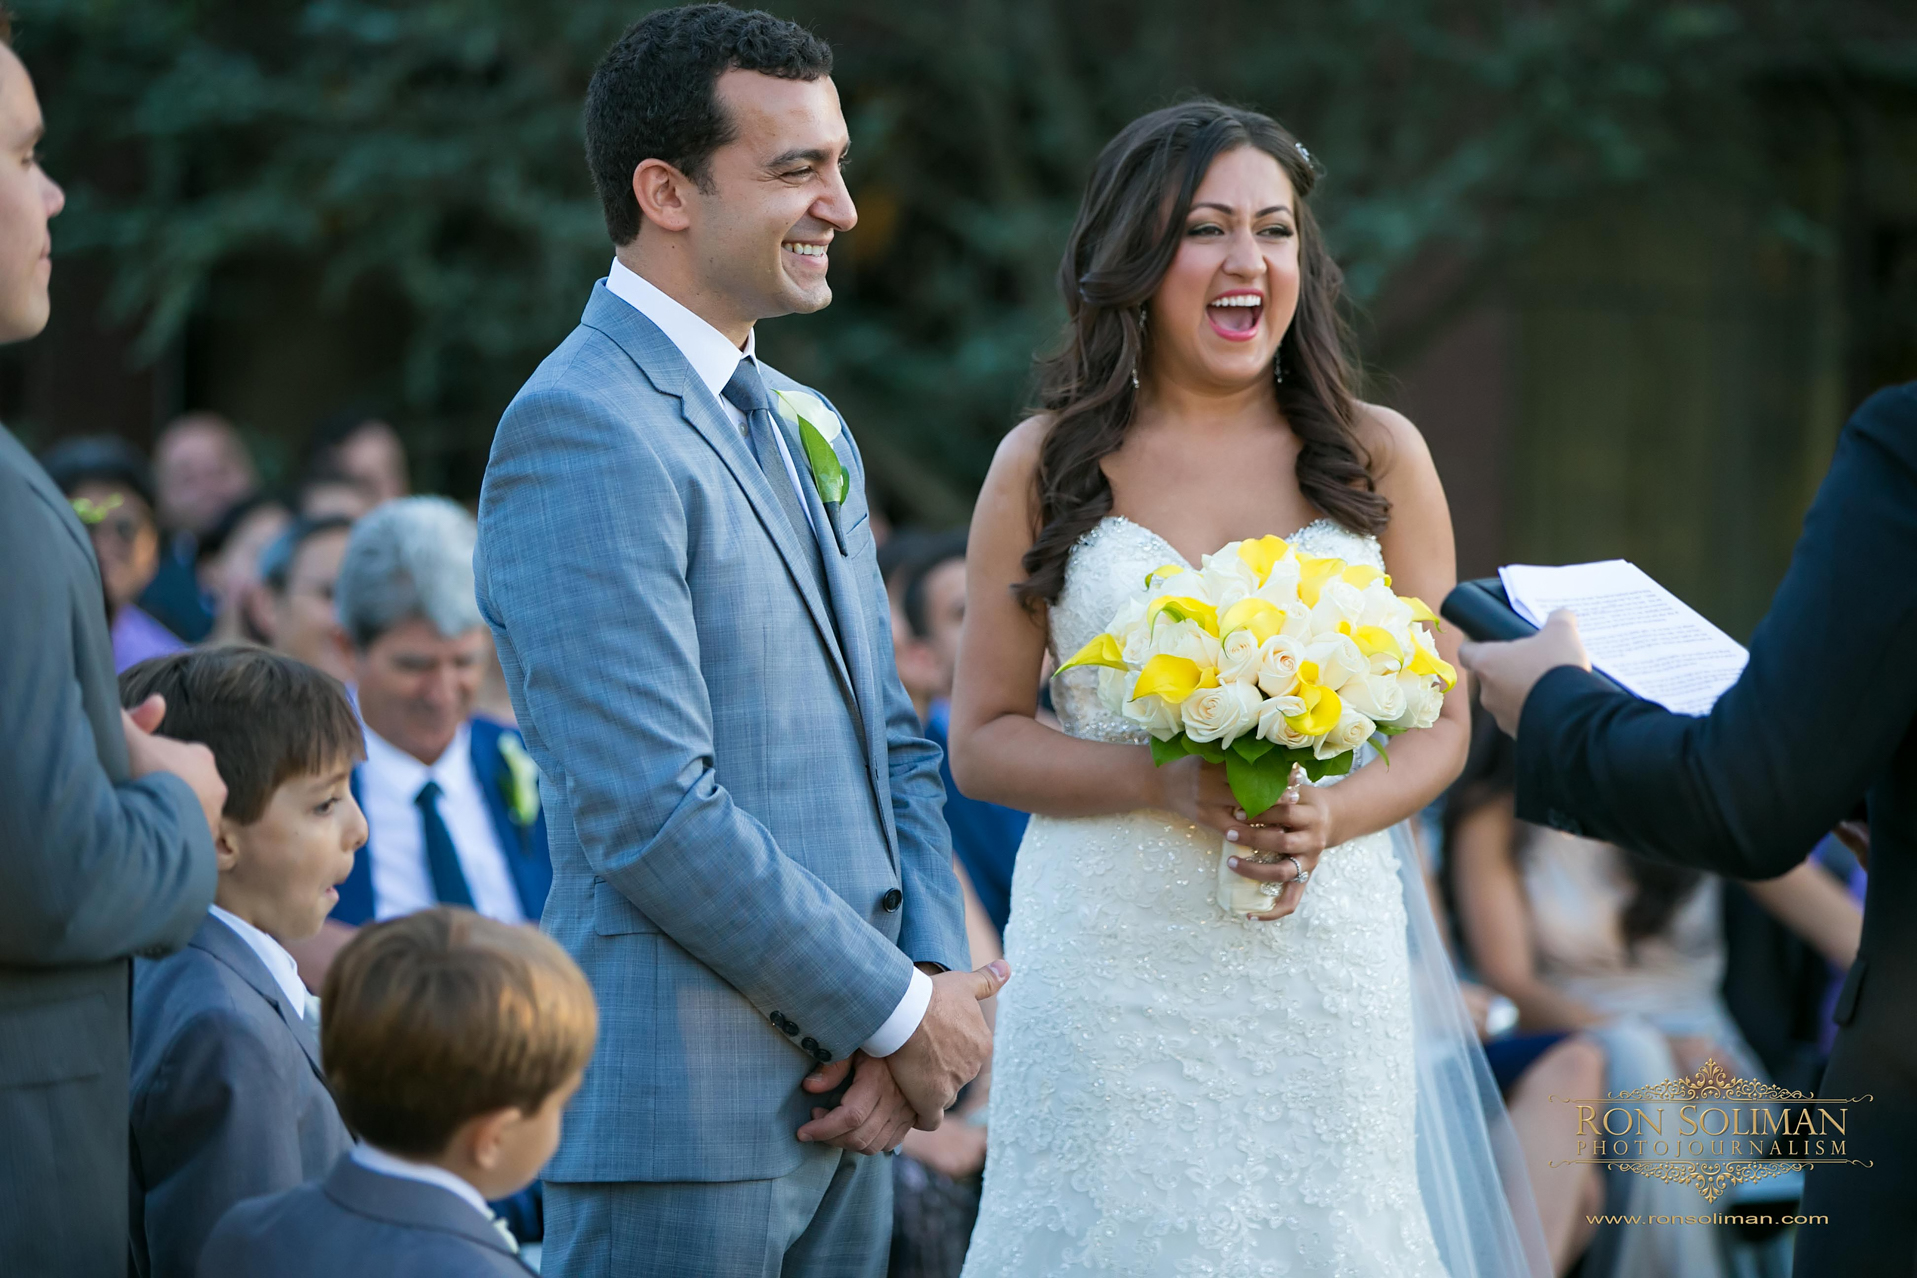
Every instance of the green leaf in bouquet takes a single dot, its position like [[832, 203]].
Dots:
[[1318, 769], [1257, 784], [1392, 729], [1209, 751], [1251, 749], [1377, 743], [1164, 752]]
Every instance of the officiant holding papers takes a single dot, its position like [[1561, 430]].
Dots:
[[1823, 716]]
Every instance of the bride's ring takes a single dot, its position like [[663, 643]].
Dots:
[[1300, 874]]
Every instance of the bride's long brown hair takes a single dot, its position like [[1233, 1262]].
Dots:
[[1128, 230]]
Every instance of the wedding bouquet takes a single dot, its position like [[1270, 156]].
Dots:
[[1264, 658]]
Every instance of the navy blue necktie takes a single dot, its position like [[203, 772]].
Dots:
[[442, 858]]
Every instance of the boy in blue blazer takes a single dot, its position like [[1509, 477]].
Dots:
[[453, 1043], [228, 1100]]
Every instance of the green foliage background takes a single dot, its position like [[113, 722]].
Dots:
[[427, 154]]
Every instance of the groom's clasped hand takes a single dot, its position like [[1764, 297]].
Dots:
[[914, 1086]]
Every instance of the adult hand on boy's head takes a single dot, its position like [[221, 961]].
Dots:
[[187, 760]]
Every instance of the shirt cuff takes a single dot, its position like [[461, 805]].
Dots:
[[905, 1018]]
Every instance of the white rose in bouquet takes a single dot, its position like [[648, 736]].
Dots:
[[1114, 689], [1129, 628], [1377, 697], [1242, 657], [1223, 714], [1353, 730], [1338, 601], [1185, 639], [1385, 610], [1154, 714], [1228, 578], [1274, 722], [1281, 583], [1278, 659], [1337, 658]]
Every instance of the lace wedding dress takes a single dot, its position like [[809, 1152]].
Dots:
[[1177, 1091]]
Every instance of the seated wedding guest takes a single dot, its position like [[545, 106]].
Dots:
[[229, 566], [326, 493], [295, 609], [359, 445], [201, 471], [1583, 935], [228, 1100], [452, 799], [985, 836], [453, 1043], [111, 489]]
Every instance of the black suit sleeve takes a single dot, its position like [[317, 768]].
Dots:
[[93, 870], [1830, 691]]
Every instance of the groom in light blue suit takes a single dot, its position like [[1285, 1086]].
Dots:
[[749, 859]]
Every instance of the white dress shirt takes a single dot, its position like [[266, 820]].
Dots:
[[378, 1160], [715, 359], [280, 964], [711, 353], [390, 780]]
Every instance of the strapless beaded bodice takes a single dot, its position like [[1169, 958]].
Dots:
[[1107, 567]]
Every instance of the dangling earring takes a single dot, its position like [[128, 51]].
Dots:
[[1278, 366], [1141, 346]]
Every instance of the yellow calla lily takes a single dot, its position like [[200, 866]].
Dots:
[[1372, 640], [1263, 618], [1163, 570], [1313, 575], [1102, 651], [1420, 611], [1426, 661], [1262, 554], [1173, 678], [1184, 608], [1362, 575], [1322, 706]]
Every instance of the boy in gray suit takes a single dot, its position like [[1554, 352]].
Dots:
[[453, 1042], [228, 1099]]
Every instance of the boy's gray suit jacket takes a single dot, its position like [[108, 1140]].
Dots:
[[748, 845], [228, 1100]]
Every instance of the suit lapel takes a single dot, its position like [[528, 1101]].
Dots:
[[850, 608], [15, 452], [220, 941], [668, 371]]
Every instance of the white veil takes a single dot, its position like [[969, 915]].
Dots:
[[1470, 1168]]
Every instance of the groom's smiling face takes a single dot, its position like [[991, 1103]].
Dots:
[[774, 199]]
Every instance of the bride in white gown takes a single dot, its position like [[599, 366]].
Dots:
[[1176, 1090]]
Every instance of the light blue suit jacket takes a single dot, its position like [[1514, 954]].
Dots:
[[747, 847]]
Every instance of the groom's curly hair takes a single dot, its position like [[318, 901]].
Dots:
[[652, 94]]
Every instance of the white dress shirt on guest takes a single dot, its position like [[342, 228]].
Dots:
[[715, 359], [279, 964], [390, 781]]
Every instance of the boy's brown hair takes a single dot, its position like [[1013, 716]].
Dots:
[[444, 1015], [266, 717]]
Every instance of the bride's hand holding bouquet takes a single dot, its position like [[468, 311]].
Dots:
[[1260, 671]]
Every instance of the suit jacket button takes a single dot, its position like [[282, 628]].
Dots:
[[892, 900], [810, 1044], [820, 1055]]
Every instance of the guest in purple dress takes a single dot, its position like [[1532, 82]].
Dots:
[[111, 489]]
